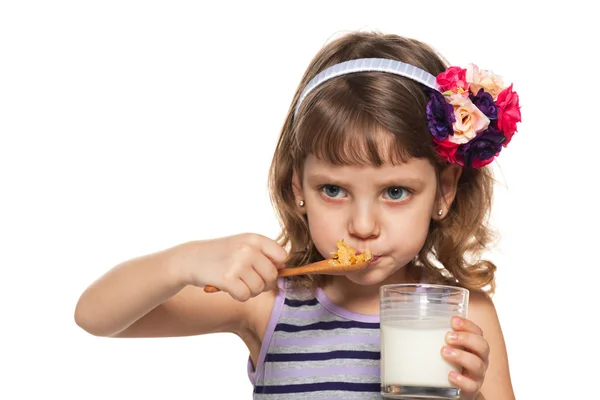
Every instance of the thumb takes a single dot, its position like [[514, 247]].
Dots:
[[281, 266]]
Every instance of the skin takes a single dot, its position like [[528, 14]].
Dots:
[[386, 209]]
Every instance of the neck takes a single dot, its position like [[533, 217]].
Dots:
[[364, 299]]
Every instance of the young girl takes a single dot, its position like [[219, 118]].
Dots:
[[385, 147]]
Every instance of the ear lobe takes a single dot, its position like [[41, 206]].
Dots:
[[448, 185]]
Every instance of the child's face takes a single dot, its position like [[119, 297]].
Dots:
[[387, 209]]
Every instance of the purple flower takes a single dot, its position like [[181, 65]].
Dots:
[[482, 149], [484, 101], [440, 116]]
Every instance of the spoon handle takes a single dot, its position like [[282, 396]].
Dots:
[[319, 267]]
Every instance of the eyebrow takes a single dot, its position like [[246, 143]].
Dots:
[[415, 183]]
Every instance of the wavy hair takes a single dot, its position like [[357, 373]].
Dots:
[[338, 122]]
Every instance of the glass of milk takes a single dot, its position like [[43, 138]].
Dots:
[[414, 321]]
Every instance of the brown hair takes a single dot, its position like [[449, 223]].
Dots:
[[338, 122]]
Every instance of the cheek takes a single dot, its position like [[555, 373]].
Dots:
[[323, 237], [325, 229], [414, 239], [410, 234]]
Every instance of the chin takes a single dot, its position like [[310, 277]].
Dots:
[[374, 274], [368, 277]]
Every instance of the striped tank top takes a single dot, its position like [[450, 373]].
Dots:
[[314, 349]]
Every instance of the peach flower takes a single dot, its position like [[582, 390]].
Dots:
[[469, 119], [490, 82]]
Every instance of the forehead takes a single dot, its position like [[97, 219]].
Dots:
[[414, 169], [371, 145]]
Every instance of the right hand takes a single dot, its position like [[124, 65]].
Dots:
[[243, 265]]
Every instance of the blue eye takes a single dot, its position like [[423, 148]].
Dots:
[[333, 191], [396, 193]]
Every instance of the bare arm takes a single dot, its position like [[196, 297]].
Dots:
[[160, 294], [148, 296], [497, 384]]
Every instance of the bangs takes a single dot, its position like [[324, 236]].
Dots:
[[340, 126]]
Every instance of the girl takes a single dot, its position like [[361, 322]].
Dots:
[[386, 148]]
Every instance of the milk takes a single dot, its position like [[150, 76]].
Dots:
[[411, 353]]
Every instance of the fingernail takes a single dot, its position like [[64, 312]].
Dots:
[[453, 375], [449, 351], [452, 336], [457, 322]]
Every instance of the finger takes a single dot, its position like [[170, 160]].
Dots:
[[239, 290], [471, 342], [463, 324], [253, 281], [273, 250], [467, 385], [266, 270], [473, 366]]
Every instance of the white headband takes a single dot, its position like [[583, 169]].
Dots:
[[366, 65]]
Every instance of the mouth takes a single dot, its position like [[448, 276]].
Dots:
[[373, 259]]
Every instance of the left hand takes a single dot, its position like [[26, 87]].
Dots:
[[467, 349]]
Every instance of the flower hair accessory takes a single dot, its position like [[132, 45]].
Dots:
[[470, 115]]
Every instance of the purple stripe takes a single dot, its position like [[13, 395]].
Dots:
[[325, 340], [275, 313], [330, 355], [326, 325], [327, 303], [356, 370], [319, 387]]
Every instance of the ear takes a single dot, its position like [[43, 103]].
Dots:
[[298, 192], [448, 185]]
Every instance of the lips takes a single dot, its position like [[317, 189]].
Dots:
[[373, 255], [374, 260]]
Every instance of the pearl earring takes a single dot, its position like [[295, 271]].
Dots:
[[301, 203], [440, 212]]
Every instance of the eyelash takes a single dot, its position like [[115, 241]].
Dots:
[[402, 188]]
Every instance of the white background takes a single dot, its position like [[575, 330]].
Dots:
[[130, 126]]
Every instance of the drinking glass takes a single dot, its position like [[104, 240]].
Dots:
[[415, 319]]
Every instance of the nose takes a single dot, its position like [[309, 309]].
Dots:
[[363, 223]]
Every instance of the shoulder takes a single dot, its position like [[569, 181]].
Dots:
[[482, 312], [257, 311], [481, 305]]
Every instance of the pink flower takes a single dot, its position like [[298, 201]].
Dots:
[[509, 113], [469, 119], [454, 78], [447, 150], [483, 79]]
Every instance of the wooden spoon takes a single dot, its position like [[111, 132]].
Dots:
[[324, 267]]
